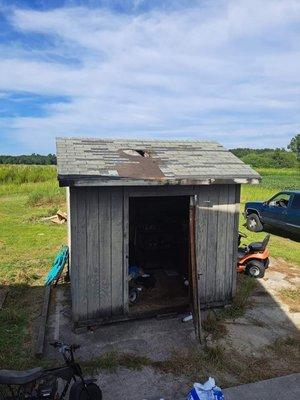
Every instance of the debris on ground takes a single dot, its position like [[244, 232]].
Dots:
[[3, 294], [206, 391], [58, 264], [59, 218]]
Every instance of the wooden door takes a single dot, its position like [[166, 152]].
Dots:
[[193, 271]]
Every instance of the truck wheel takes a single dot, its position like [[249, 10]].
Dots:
[[255, 268], [253, 223]]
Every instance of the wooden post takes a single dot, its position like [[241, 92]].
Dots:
[[42, 328], [194, 274]]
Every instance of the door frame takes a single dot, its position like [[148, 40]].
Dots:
[[147, 192]]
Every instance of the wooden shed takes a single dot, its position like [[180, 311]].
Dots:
[[170, 208]]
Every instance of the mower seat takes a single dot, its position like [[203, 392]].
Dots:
[[259, 246], [242, 251], [11, 377], [255, 246]]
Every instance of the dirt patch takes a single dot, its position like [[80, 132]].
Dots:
[[289, 270]]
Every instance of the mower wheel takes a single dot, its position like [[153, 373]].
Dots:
[[133, 295], [267, 262], [255, 269], [253, 223]]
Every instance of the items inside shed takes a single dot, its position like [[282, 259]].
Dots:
[[158, 253]]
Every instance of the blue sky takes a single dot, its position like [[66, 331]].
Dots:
[[190, 69]]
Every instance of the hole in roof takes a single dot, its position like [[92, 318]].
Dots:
[[137, 152]]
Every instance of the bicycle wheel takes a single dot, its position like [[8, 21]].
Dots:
[[78, 391]]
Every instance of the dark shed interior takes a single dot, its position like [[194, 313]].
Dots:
[[159, 248]]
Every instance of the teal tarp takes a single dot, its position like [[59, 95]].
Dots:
[[57, 265]]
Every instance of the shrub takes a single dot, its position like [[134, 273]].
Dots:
[[48, 193], [267, 158]]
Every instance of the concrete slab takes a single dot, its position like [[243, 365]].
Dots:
[[146, 384], [284, 387], [153, 338]]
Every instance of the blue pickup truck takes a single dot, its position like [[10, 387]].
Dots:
[[282, 211]]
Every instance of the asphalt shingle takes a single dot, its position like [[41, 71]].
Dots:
[[148, 159]]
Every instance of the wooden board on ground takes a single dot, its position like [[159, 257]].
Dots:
[[42, 328], [3, 294]]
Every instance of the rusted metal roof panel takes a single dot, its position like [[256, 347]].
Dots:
[[163, 161]]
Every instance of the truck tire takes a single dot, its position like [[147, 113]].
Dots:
[[253, 223]]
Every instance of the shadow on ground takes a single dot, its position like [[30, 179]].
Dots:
[[258, 342]]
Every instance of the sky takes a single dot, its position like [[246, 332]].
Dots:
[[218, 70]]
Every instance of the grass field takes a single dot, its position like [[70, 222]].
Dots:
[[28, 245], [273, 180]]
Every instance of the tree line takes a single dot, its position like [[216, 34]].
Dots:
[[37, 159], [272, 158]]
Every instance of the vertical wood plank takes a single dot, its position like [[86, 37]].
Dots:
[[212, 241], [194, 277], [230, 262], [74, 258], [117, 250], [221, 243], [201, 224], [81, 243], [125, 248], [93, 252], [235, 239], [69, 223], [105, 251]]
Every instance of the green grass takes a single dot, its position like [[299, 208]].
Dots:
[[27, 247]]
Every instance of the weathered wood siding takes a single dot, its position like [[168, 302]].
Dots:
[[96, 252], [217, 214], [99, 245]]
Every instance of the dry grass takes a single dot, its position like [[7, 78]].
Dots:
[[111, 361], [291, 297], [230, 366]]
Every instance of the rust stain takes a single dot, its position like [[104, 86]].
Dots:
[[140, 168]]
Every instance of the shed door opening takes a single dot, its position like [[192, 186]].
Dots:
[[158, 254]]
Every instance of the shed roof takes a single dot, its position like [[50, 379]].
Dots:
[[83, 161]]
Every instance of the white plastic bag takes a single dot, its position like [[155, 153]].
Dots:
[[207, 391]]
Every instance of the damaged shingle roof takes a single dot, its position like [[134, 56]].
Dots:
[[173, 161]]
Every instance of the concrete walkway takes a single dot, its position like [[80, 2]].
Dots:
[[284, 387]]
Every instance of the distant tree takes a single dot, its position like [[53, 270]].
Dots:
[[273, 158], [34, 158], [294, 145]]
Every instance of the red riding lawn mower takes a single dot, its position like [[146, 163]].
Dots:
[[253, 259]]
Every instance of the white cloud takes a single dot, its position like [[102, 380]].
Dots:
[[227, 70]]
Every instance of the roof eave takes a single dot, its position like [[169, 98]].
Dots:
[[76, 180]]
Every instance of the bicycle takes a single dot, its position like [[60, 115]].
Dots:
[[39, 383]]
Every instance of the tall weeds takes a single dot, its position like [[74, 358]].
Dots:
[[18, 174]]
